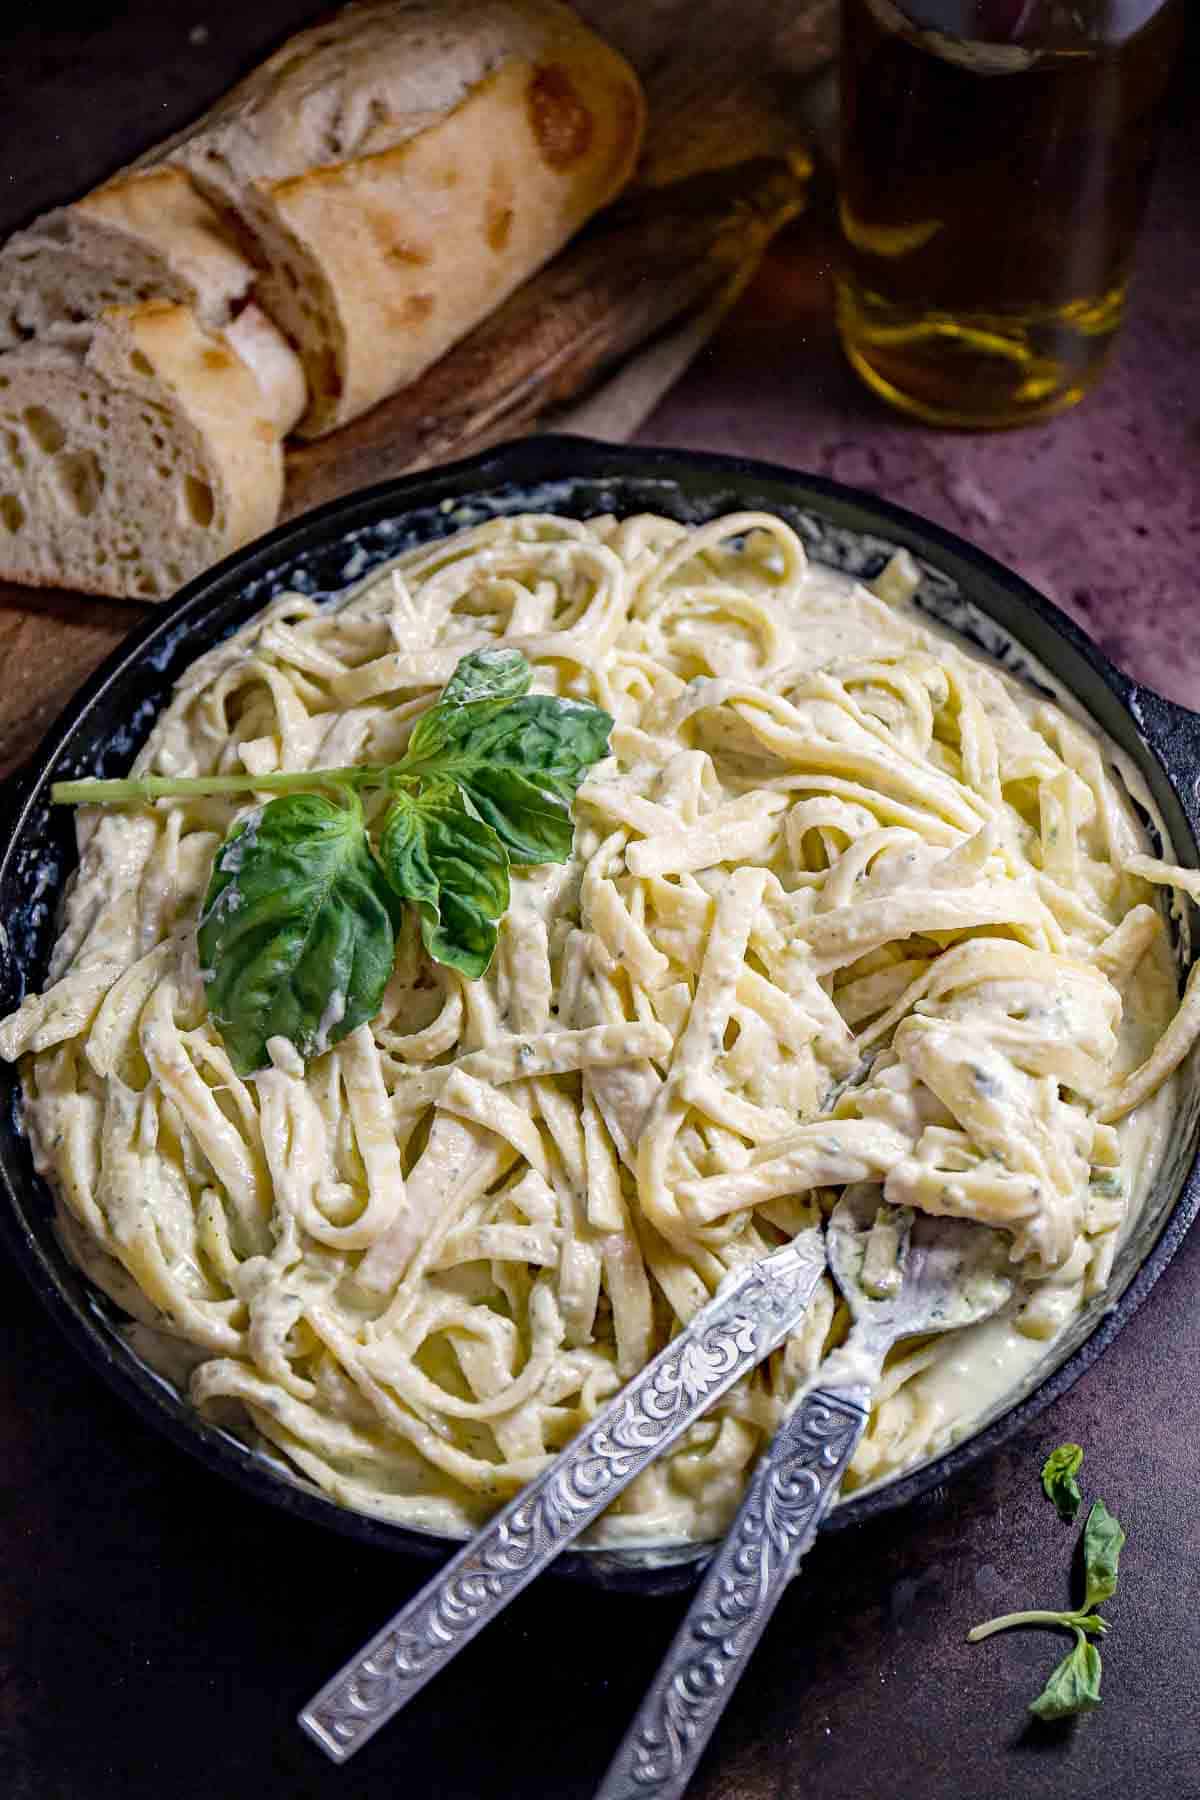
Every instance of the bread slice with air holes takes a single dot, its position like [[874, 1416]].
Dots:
[[132, 456], [144, 236], [140, 237], [402, 166]]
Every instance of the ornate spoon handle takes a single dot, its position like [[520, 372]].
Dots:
[[791, 1491], [752, 1313]]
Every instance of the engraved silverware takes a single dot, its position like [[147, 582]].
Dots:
[[753, 1311], [900, 1279]]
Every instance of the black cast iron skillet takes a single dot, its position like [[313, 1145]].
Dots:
[[322, 552]]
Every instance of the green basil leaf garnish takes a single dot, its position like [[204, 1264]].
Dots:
[[483, 683], [533, 826], [1102, 1541], [453, 868], [1058, 1479], [297, 931], [516, 763], [1074, 1686]]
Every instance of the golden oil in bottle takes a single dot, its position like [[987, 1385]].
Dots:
[[996, 157]]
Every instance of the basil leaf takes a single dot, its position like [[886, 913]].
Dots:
[[1058, 1479], [1074, 1686], [496, 673], [1102, 1541], [483, 683], [553, 742], [297, 931], [533, 827], [454, 868], [297, 934], [517, 761]]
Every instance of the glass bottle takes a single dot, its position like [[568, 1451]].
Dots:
[[996, 157]]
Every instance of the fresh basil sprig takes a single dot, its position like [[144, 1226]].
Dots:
[[1058, 1480], [489, 776], [297, 930], [1074, 1686]]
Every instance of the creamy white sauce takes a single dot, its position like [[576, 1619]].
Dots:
[[412, 1269]]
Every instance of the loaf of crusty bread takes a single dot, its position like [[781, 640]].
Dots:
[[403, 166], [314, 242], [132, 456]]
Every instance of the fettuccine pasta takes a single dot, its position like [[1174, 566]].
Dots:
[[847, 905]]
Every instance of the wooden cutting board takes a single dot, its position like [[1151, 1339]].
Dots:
[[725, 166]]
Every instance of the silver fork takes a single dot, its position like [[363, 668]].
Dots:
[[900, 1279], [756, 1307]]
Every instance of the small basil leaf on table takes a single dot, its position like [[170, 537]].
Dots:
[[453, 868], [1074, 1686], [1059, 1482], [1102, 1541], [297, 931]]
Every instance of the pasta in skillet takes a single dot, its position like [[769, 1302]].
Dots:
[[847, 905]]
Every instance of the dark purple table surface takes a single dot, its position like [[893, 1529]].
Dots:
[[158, 1631]]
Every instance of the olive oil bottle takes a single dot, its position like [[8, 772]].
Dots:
[[996, 157]]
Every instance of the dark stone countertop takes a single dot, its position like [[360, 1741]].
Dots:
[[158, 1630]]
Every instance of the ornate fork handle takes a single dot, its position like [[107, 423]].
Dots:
[[752, 1313], [791, 1490]]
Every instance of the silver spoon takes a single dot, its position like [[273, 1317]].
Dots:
[[901, 1278], [755, 1309]]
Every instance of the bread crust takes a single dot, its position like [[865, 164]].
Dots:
[[415, 245], [404, 167], [162, 211], [139, 237]]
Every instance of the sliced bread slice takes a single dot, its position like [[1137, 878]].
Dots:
[[132, 456], [143, 236], [273, 364]]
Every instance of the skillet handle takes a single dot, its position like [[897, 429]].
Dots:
[[790, 1492], [1173, 733]]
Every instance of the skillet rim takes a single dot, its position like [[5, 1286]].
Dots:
[[1143, 723]]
